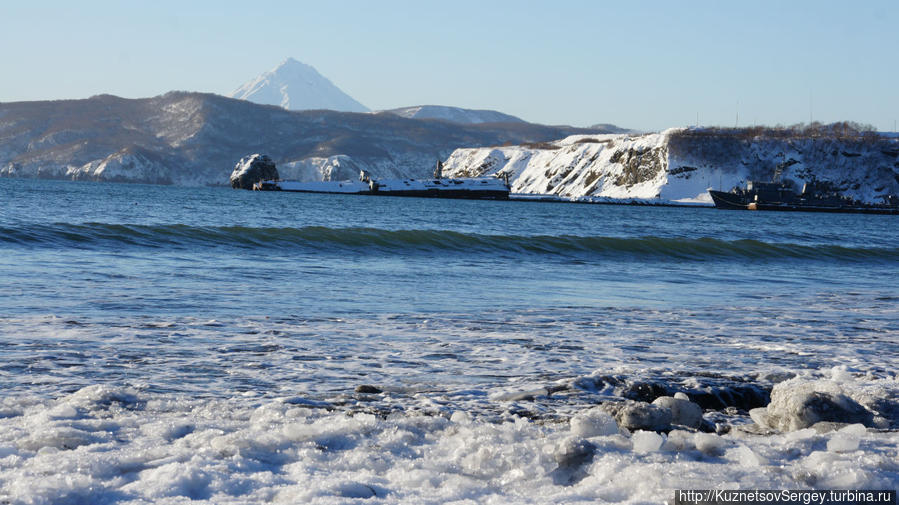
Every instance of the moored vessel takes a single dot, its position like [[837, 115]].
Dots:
[[472, 188], [816, 196]]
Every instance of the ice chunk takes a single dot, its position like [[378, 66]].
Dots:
[[843, 442], [709, 443], [760, 416], [749, 458], [647, 441], [593, 423], [797, 435], [460, 417], [858, 430], [797, 404], [63, 411], [679, 440], [683, 412]]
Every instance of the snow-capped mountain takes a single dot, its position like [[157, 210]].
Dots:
[[296, 86], [453, 114], [680, 165]]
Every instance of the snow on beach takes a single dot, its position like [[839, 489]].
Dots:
[[453, 409], [104, 444]]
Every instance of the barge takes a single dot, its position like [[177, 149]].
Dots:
[[472, 188]]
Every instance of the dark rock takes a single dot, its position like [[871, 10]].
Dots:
[[252, 169], [369, 390], [645, 391], [572, 456], [742, 396]]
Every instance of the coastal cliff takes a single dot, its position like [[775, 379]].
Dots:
[[680, 165]]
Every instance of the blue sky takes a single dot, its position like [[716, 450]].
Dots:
[[646, 65]]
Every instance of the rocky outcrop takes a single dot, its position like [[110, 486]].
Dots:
[[252, 169]]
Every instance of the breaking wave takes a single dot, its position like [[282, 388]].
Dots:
[[99, 236]]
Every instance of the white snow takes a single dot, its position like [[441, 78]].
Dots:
[[125, 165], [296, 86], [333, 168], [105, 444], [671, 167], [312, 441], [453, 114]]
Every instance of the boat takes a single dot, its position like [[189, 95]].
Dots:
[[816, 196], [473, 188]]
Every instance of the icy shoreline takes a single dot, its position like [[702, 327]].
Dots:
[[110, 444]]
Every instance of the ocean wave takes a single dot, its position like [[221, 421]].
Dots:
[[100, 236]]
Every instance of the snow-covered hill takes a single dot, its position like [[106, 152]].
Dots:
[[296, 86], [195, 139], [680, 165], [453, 114]]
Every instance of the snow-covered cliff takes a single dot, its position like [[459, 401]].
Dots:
[[680, 165]]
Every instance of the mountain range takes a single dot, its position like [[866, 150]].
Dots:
[[196, 138], [294, 85]]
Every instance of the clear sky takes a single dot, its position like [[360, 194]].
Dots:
[[640, 64]]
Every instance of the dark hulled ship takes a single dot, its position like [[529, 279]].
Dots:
[[816, 196]]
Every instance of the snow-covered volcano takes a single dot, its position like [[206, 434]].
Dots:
[[297, 86]]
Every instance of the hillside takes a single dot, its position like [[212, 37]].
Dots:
[[679, 165], [195, 139]]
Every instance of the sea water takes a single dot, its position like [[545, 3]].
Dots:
[[165, 345]]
